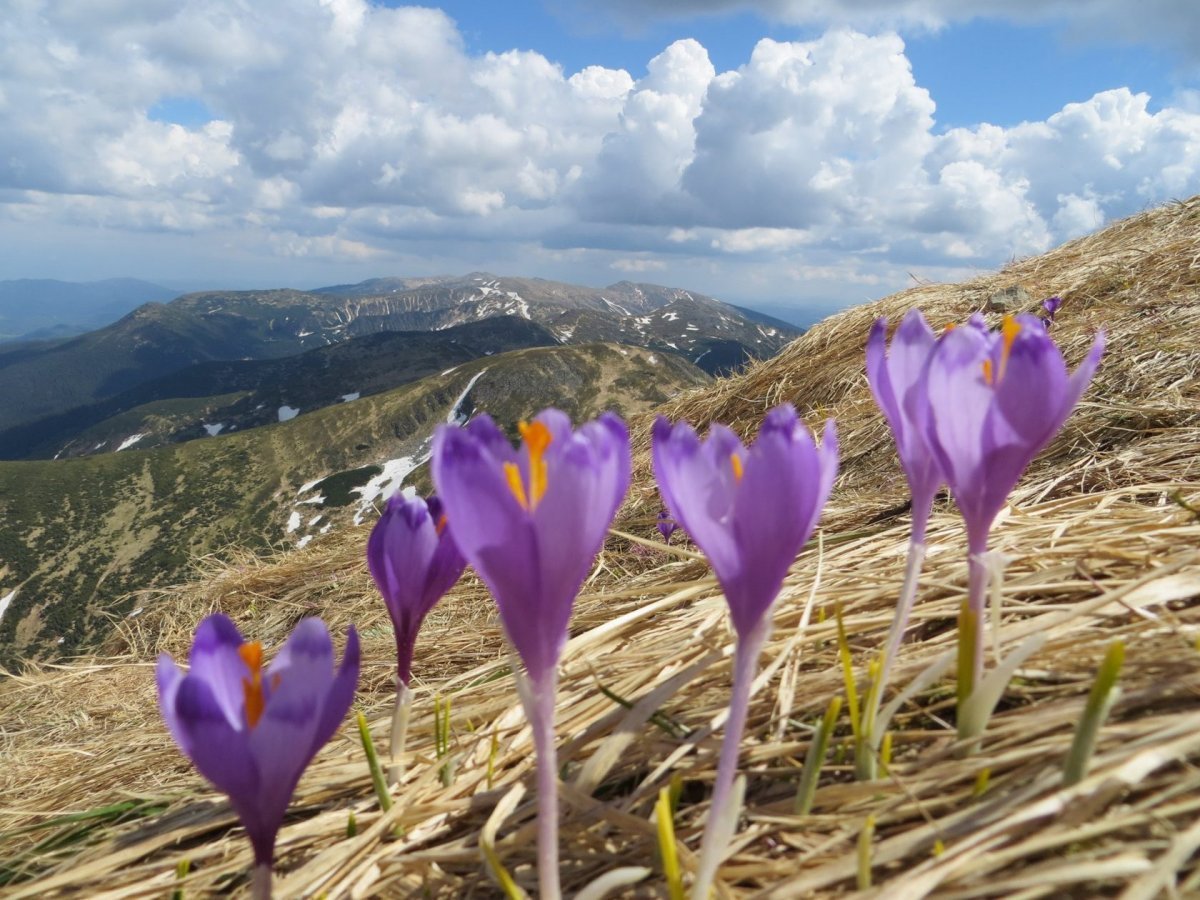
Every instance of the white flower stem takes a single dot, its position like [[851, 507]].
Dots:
[[260, 882], [540, 712], [399, 735], [745, 663]]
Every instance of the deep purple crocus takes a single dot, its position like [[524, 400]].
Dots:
[[750, 511], [1050, 307], [414, 563], [252, 730], [531, 520], [987, 403], [666, 526]]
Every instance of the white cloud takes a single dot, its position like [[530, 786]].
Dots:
[[344, 131]]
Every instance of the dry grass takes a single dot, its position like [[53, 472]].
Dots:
[[1098, 548]]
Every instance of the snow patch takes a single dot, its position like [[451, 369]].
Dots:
[[304, 334], [669, 344], [303, 542], [129, 441], [670, 316], [389, 481], [287, 413], [6, 600], [565, 334], [652, 359], [214, 430], [293, 522], [448, 371], [616, 306], [346, 398], [456, 416], [316, 501], [309, 485]]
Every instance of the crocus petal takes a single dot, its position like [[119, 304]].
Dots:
[[168, 677], [1031, 386], [214, 659], [697, 483], [894, 374], [219, 751]]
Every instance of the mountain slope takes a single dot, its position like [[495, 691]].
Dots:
[[228, 396], [158, 339], [80, 534]]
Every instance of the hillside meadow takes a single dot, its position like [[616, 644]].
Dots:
[[1102, 540]]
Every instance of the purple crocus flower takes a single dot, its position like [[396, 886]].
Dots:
[[892, 373], [666, 526], [1050, 306], [414, 563], [987, 404], [251, 730], [750, 511], [531, 520]]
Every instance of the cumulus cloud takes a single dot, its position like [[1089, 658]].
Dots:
[[342, 130]]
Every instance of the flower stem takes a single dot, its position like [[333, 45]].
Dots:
[[540, 712], [745, 663], [399, 733], [260, 882], [908, 596]]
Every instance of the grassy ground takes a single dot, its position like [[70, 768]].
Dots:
[[1101, 539]]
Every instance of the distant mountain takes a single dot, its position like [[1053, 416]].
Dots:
[[210, 398], [81, 534], [43, 309], [158, 339]]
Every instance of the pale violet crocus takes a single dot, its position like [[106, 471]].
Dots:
[[414, 562], [252, 729], [987, 403], [893, 372], [531, 520], [750, 510]]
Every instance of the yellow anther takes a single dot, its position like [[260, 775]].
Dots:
[[537, 438], [252, 687], [987, 371], [513, 474], [736, 462], [441, 524]]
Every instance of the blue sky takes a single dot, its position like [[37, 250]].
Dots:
[[800, 154]]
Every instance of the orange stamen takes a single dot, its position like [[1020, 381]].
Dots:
[[736, 462], [537, 438], [441, 524], [950, 326], [252, 687], [987, 371], [513, 475], [1009, 331]]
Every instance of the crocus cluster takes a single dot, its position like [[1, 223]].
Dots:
[[750, 510], [252, 729], [973, 408]]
